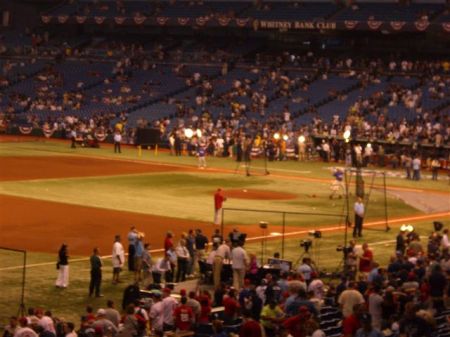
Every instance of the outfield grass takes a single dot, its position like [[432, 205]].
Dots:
[[311, 169]]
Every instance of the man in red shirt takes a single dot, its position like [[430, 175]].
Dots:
[[352, 323], [249, 327], [365, 261], [301, 325], [231, 307], [184, 316], [218, 202], [168, 241]]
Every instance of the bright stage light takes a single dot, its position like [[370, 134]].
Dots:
[[285, 138], [199, 133], [188, 133], [276, 136], [301, 139], [347, 135]]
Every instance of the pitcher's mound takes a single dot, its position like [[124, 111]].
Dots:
[[258, 194]]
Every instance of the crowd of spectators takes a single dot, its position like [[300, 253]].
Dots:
[[408, 297]]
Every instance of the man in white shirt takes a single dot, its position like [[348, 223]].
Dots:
[[416, 163], [117, 259], [445, 243], [240, 261], [24, 330], [349, 298], [168, 306], [117, 141], [156, 315], [305, 269], [160, 268], [359, 218], [223, 252]]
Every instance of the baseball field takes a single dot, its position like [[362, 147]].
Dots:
[[51, 194]]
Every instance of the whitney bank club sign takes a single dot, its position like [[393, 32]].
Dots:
[[288, 25]]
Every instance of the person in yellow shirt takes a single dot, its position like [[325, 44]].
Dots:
[[271, 316]]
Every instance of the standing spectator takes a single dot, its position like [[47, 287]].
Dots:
[[69, 330], [218, 203], [366, 260], [367, 329], [190, 245], [111, 313], [201, 245], [201, 154], [138, 255], [117, 259], [445, 242], [223, 252], [359, 218], [302, 324], [435, 166], [146, 264], [400, 245], [351, 323], [375, 308], [117, 141], [161, 268], [129, 323], [349, 298], [240, 261], [103, 324], [24, 330], [305, 269], [271, 316], [132, 238], [63, 267], [96, 274], [407, 164], [168, 241], [11, 329], [156, 315], [182, 260], [184, 316], [168, 306], [416, 167]]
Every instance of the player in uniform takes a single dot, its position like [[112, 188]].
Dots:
[[337, 186], [201, 154]]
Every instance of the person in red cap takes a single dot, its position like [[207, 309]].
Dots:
[[219, 198], [250, 327], [184, 316]]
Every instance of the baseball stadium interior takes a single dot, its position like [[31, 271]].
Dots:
[[251, 94]]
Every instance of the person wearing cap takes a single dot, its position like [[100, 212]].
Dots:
[[104, 324], [117, 259], [184, 316], [24, 330], [96, 273], [132, 237], [156, 314], [219, 199]]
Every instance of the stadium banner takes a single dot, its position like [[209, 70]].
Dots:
[[201, 20], [25, 130], [374, 25], [119, 20], [183, 21], [48, 131], [139, 19], [421, 25], [80, 19], [242, 22], [63, 18], [46, 18], [162, 20], [223, 21], [290, 25], [351, 24], [446, 26], [99, 19], [397, 25]]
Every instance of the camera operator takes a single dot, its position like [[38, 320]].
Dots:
[[306, 269], [350, 258]]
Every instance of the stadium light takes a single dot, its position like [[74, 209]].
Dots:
[[199, 133], [406, 228], [285, 138], [276, 136], [369, 145], [188, 133], [347, 135], [301, 139]]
